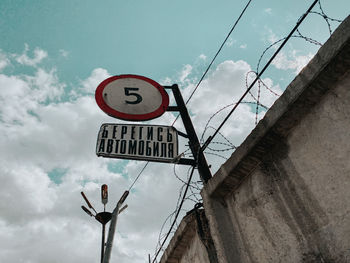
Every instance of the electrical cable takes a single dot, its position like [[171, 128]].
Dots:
[[248, 90], [177, 214], [144, 167], [217, 53], [259, 75], [322, 13], [258, 104]]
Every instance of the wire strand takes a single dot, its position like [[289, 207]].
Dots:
[[217, 53], [138, 176], [259, 74], [177, 214]]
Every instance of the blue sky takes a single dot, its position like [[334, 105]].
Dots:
[[53, 54], [152, 38]]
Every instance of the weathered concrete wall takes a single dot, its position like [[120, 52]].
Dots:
[[284, 195], [191, 242], [195, 253], [295, 206]]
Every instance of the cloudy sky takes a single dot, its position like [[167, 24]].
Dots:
[[53, 54]]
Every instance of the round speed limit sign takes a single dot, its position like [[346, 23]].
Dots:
[[132, 97]]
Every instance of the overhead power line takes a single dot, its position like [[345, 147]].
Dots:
[[203, 76], [138, 176], [298, 35], [217, 53], [188, 184], [259, 75], [177, 214], [190, 97]]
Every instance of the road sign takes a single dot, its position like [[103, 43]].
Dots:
[[138, 142], [132, 98]]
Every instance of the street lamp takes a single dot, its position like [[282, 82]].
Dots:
[[102, 217]]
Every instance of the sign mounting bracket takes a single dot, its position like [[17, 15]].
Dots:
[[194, 144]]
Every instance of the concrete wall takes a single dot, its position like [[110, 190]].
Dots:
[[295, 205], [191, 242], [284, 195]]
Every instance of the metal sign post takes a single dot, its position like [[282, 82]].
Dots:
[[198, 155], [137, 98]]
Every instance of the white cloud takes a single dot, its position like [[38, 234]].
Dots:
[[268, 10], [186, 70], [39, 137], [24, 59], [97, 76], [4, 61], [202, 56], [224, 86], [244, 46], [293, 61], [40, 133], [64, 53], [23, 94], [166, 82], [269, 36], [230, 41]]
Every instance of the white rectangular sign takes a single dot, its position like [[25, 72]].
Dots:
[[137, 142]]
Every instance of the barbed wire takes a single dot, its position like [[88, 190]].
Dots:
[[195, 200], [181, 180], [257, 104], [325, 17], [307, 39], [206, 127], [222, 150], [193, 186], [193, 197], [295, 33], [178, 209], [257, 100], [299, 35], [310, 40], [215, 154], [169, 218], [160, 237], [217, 53], [260, 81]]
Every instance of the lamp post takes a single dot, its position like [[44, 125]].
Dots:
[[117, 210], [104, 217]]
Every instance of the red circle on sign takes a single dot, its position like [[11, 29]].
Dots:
[[112, 111]]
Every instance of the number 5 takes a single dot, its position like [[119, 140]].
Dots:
[[137, 96]]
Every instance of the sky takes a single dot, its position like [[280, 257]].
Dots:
[[53, 55]]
